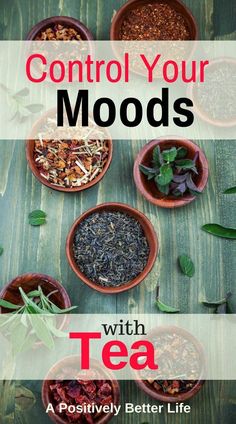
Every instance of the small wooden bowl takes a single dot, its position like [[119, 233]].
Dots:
[[178, 397], [133, 4], [148, 188], [29, 282], [67, 21], [203, 114], [30, 158], [148, 231], [74, 361]]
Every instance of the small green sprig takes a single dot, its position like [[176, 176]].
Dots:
[[172, 171]]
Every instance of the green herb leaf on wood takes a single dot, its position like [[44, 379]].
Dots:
[[165, 176], [1, 250], [219, 231], [181, 153], [231, 190], [166, 308], [186, 265], [37, 217], [220, 306]]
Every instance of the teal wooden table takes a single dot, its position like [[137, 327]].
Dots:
[[28, 249]]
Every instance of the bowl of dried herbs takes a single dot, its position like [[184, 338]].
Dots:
[[171, 172], [181, 366], [68, 159], [59, 28], [112, 247]]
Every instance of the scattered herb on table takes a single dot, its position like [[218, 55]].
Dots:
[[110, 248], [186, 265], [154, 21], [20, 109], [34, 306], [219, 231], [1, 250], [172, 171], [71, 163], [37, 217], [95, 391], [231, 190], [221, 306], [163, 307]]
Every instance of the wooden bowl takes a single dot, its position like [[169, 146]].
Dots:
[[133, 4], [30, 158], [83, 31], [203, 114], [148, 188], [74, 361], [148, 231], [178, 397], [29, 282]]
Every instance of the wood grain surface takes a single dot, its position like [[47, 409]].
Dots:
[[29, 249]]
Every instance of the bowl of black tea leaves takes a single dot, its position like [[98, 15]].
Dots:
[[112, 247]]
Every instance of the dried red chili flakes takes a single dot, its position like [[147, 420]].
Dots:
[[80, 392], [70, 163], [58, 32]]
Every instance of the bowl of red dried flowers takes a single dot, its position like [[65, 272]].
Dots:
[[181, 365], [59, 28], [69, 164], [171, 172], [153, 20], [112, 247], [100, 389]]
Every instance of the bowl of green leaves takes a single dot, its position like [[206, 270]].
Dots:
[[171, 172]]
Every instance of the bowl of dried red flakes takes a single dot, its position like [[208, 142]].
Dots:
[[69, 159], [66, 385], [59, 28]]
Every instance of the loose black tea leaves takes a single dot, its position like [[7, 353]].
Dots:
[[110, 248], [186, 265], [219, 231], [37, 218]]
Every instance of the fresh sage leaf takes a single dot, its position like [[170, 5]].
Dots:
[[231, 190], [42, 331], [165, 176], [181, 153], [22, 93], [170, 154], [219, 231], [186, 265], [37, 217], [165, 308], [34, 108], [1, 250]]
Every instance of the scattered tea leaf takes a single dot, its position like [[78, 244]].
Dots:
[[170, 155], [1, 250], [165, 308], [186, 265], [219, 231], [231, 190], [37, 217]]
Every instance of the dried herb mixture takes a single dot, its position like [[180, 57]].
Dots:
[[110, 248], [58, 32], [155, 21]]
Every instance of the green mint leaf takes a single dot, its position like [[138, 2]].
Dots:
[[157, 156], [9, 305], [186, 265], [165, 189], [219, 231], [185, 164], [149, 172], [165, 308], [231, 190], [37, 217], [170, 154], [181, 153], [1, 250], [165, 176]]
